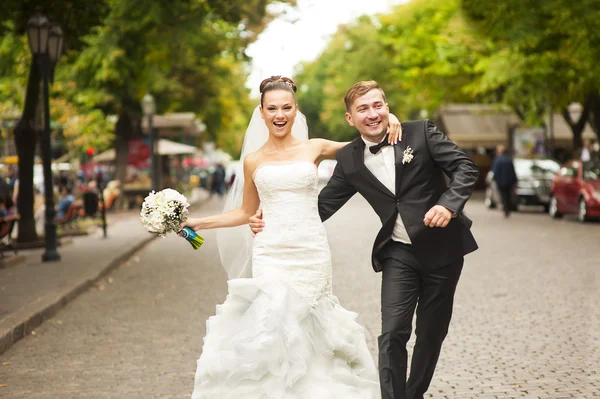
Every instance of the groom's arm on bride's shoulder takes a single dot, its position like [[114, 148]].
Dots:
[[456, 164], [237, 216], [336, 193]]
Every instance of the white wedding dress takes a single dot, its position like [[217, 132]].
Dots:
[[282, 334]]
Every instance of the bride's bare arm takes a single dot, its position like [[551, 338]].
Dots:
[[327, 148], [237, 216]]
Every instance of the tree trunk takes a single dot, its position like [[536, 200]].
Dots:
[[25, 142], [595, 113], [577, 127], [520, 113], [123, 132]]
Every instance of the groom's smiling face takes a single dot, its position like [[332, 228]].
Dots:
[[369, 114]]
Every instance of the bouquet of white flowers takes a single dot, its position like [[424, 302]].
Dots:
[[163, 212]]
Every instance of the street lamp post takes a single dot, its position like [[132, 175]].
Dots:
[[45, 42], [149, 109]]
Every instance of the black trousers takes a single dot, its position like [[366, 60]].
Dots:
[[407, 284], [506, 196]]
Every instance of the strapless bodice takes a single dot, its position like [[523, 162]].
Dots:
[[293, 245]]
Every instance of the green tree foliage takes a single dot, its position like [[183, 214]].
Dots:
[[423, 54], [189, 53], [76, 17], [529, 54], [354, 53], [433, 56], [548, 54], [227, 115], [15, 59], [81, 124]]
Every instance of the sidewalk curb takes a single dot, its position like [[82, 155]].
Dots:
[[53, 305], [44, 308]]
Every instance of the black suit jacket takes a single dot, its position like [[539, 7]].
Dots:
[[420, 184]]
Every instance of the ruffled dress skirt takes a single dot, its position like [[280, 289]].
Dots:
[[282, 334], [267, 342]]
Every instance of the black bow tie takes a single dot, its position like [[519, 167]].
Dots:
[[375, 148]]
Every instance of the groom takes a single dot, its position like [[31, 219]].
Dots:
[[424, 237]]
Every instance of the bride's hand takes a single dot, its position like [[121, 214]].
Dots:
[[192, 223], [394, 130]]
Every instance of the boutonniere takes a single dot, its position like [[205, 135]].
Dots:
[[407, 156]]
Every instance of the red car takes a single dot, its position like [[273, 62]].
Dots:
[[576, 189]]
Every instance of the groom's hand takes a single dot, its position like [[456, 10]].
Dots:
[[256, 223], [438, 216]]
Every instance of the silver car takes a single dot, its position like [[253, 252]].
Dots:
[[534, 183]]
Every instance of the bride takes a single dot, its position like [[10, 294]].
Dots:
[[281, 333]]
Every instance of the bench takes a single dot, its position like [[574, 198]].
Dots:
[[91, 204], [7, 224], [109, 202], [74, 213]]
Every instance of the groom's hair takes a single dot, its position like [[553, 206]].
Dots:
[[360, 89], [277, 82]]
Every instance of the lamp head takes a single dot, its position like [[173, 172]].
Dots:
[[148, 104], [38, 28]]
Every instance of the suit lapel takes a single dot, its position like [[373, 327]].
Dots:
[[359, 161], [399, 153]]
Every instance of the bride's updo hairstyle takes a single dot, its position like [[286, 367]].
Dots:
[[276, 83]]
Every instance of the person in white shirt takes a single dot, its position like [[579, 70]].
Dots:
[[586, 151]]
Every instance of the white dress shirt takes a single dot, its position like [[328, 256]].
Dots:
[[585, 155], [383, 166]]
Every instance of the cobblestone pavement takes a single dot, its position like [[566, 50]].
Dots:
[[526, 321]]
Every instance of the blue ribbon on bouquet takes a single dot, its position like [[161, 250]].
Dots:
[[192, 237]]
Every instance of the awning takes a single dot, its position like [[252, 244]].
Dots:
[[106, 156], [164, 147], [67, 157], [168, 147], [474, 125], [173, 124], [487, 125]]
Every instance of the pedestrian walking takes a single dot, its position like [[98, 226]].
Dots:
[[218, 181], [586, 151], [505, 177]]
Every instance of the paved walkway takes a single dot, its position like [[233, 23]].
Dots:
[[525, 323], [33, 291]]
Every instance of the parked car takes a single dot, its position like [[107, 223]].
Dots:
[[533, 186], [576, 189]]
